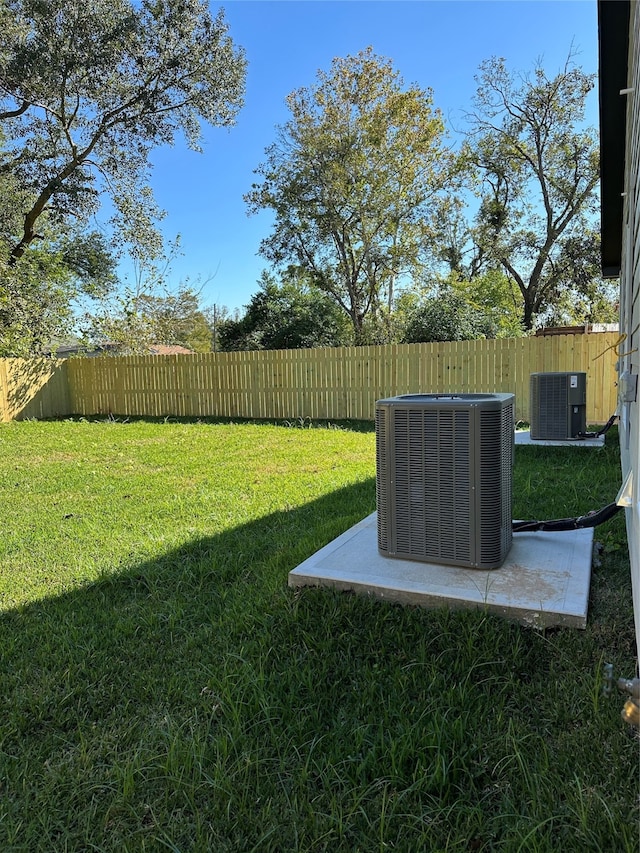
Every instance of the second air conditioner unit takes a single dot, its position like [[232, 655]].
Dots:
[[558, 405], [444, 466]]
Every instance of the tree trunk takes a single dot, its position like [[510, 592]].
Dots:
[[357, 320], [528, 314]]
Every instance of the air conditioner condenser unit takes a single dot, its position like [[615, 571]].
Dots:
[[444, 469], [558, 405]]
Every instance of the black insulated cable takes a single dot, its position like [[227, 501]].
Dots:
[[591, 519], [600, 432]]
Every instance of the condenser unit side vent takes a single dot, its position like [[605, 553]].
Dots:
[[382, 493], [443, 483], [496, 466]]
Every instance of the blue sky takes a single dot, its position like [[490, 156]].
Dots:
[[434, 43]]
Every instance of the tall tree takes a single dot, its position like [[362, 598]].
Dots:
[[89, 87], [350, 180], [539, 169]]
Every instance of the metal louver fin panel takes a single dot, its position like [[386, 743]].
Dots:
[[381, 494], [443, 481], [558, 404]]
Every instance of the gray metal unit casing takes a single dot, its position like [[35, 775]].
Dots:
[[444, 474], [558, 405]]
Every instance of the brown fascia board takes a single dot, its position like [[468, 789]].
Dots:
[[613, 49]]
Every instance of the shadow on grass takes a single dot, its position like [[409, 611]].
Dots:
[[196, 703], [95, 679]]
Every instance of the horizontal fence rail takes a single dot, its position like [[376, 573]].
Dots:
[[325, 384]]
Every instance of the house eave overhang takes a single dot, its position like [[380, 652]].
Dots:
[[613, 46]]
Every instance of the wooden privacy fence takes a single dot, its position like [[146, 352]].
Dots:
[[33, 388], [334, 384]]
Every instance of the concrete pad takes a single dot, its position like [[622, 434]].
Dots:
[[543, 582], [524, 437]]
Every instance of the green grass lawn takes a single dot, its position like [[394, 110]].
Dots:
[[163, 689]]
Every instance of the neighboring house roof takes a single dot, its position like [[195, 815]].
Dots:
[[166, 349], [586, 329], [67, 350], [613, 45]]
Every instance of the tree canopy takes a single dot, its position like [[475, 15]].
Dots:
[[286, 315], [36, 294], [89, 87], [135, 322], [446, 316], [350, 180], [539, 169]]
